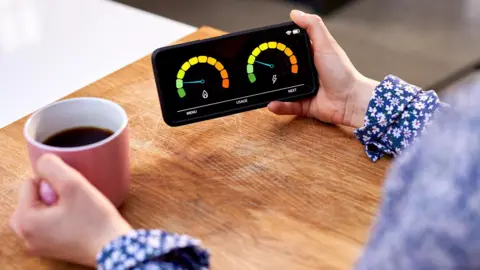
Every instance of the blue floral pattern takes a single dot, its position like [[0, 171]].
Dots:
[[429, 217], [397, 114], [153, 249]]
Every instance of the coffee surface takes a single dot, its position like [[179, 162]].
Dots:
[[79, 136]]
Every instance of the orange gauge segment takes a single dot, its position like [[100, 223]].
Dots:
[[295, 69], [226, 83]]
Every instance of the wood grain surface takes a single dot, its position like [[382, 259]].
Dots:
[[261, 191]]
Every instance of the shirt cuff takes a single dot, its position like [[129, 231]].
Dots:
[[398, 113], [140, 248]]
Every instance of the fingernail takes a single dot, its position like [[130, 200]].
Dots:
[[12, 225], [47, 194], [298, 13]]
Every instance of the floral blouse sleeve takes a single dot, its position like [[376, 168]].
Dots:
[[429, 215], [151, 250], [397, 114]]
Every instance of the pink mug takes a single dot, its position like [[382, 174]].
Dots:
[[106, 164]]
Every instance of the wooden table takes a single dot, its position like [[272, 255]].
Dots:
[[262, 191]]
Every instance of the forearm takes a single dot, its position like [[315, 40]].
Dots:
[[398, 113]]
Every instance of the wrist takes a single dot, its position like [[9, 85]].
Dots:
[[110, 232], [358, 100]]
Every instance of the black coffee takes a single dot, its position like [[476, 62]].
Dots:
[[78, 136]]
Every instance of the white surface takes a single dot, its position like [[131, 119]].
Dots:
[[51, 48]]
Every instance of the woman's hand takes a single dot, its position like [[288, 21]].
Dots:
[[77, 226], [344, 93]]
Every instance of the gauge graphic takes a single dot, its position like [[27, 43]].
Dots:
[[201, 78], [272, 65]]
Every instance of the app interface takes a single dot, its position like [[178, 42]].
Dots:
[[234, 73]]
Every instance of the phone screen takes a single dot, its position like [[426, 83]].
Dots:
[[234, 73]]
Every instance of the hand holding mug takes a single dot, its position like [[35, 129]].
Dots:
[[344, 93], [94, 142], [77, 226], [67, 211]]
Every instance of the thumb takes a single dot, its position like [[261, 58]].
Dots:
[[300, 108], [28, 194], [316, 29], [56, 172]]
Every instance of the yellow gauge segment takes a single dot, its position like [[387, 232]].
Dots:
[[212, 61], [202, 59], [193, 61], [186, 66], [281, 47], [181, 74]]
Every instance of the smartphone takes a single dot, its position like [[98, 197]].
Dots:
[[234, 73]]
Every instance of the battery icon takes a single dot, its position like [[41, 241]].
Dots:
[[296, 31]]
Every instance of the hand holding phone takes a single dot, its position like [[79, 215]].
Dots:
[[344, 94], [234, 73]]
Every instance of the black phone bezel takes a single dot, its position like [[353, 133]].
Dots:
[[165, 114]]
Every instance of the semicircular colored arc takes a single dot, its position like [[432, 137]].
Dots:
[[195, 61], [272, 45]]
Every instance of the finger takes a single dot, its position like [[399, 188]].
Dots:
[[36, 221], [27, 199], [57, 173], [28, 195], [289, 108], [315, 27]]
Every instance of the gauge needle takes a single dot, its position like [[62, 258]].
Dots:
[[265, 64], [195, 82]]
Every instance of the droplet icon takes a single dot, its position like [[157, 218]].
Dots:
[[205, 94]]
